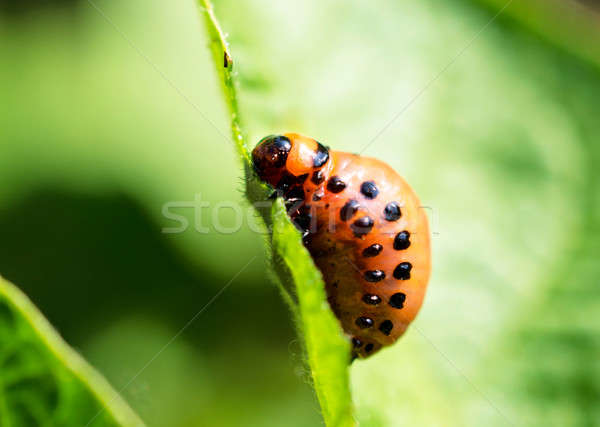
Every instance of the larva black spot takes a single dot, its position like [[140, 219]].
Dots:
[[303, 222], [372, 250], [401, 241], [349, 209], [335, 184], [364, 322], [321, 156], [318, 195], [295, 193], [369, 189], [286, 181], [319, 254], [371, 299], [356, 343], [397, 300], [402, 271], [362, 226], [317, 177], [369, 348], [301, 178], [386, 327], [374, 275], [392, 212]]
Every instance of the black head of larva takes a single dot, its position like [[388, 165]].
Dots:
[[290, 153], [270, 155]]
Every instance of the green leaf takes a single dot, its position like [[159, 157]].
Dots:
[[45, 382], [326, 348]]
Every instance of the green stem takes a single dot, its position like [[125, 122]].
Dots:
[[224, 64]]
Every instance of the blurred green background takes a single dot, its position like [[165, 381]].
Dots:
[[109, 110]]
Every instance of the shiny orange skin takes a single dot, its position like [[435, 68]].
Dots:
[[337, 248]]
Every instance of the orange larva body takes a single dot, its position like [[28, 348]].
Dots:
[[365, 229]]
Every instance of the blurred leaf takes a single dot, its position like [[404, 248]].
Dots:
[[45, 382], [326, 348], [566, 24]]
